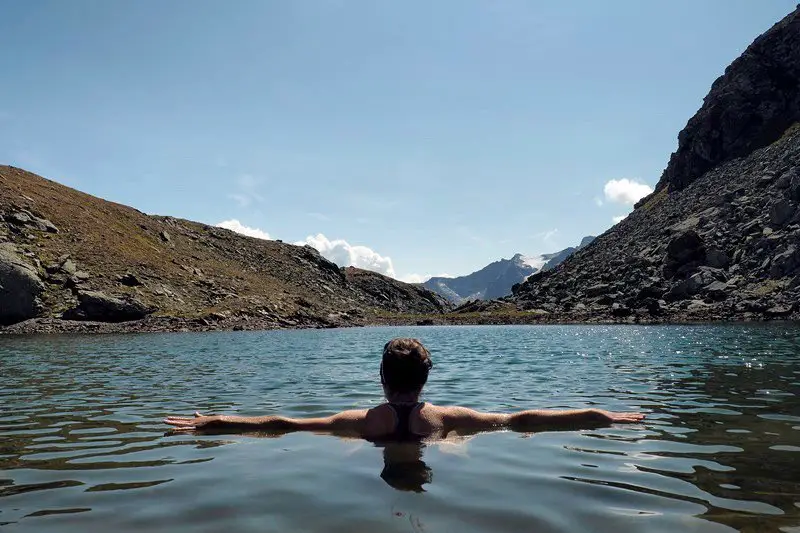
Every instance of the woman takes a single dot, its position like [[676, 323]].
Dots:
[[404, 372]]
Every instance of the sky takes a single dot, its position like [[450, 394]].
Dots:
[[414, 138]]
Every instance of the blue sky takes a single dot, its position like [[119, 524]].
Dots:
[[432, 137]]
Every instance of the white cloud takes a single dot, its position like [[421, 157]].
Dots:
[[626, 191], [238, 227], [339, 251], [345, 254], [421, 278], [415, 278], [319, 216], [598, 202], [619, 219]]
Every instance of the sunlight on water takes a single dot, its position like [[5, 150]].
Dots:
[[82, 447]]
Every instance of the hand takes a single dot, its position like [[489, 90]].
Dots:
[[197, 422], [622, 418]]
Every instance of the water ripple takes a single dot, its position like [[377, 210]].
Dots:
[[82, 446]]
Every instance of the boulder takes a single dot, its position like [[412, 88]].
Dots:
[[98, 306], [785, 263], [717, 258], [697, 306], [718, 290], [690, 223], [29, 220], [794, 188], [19, 218], [620, 311], [651, 290], [777, 311], [684, 252], [597, 289], [68, 267], [693, 285], [20, 287], [781, 212], [785, 179], [42, 224], [129, 280], [654, 306], [699, 281]]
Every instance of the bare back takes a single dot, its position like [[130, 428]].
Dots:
[[426, 420]]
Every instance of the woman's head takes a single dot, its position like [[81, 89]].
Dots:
[[405, 367]]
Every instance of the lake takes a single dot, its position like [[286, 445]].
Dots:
[[82, 446]]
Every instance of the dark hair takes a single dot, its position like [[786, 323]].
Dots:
[[405, 365]]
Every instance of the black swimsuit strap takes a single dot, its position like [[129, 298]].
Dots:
[[403, 413]]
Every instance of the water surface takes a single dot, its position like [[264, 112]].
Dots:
[[82, 447]]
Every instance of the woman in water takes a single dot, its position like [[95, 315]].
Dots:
[[404, 372]]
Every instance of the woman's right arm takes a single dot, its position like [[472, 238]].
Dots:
[[344, 421]]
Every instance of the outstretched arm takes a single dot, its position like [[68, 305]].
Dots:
[[344, 421], [461, 417]]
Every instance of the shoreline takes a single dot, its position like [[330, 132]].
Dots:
[[55, 326]]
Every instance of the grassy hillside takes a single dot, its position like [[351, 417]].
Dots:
[[180, 268]]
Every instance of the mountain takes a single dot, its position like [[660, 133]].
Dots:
[[719, 239], [492, 279], [553, 260], [496, 279], [68, 255]]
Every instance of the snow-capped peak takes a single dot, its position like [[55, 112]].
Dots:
[[533, 261]]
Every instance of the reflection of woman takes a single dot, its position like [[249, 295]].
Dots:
[[403, 467], [404, 372]]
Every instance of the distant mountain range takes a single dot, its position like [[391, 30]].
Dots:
[[496, 279]]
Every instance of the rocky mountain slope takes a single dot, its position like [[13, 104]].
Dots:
[[749, 107], [720, 237], [496, 279], [66, 254]]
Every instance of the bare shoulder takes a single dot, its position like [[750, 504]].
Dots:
[[463, 417], [377, 421]]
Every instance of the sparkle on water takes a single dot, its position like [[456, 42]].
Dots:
[[82, 447]]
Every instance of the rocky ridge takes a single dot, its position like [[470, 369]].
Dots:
[[73, 262], [748, 107], [719, 239], [725, 247]]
